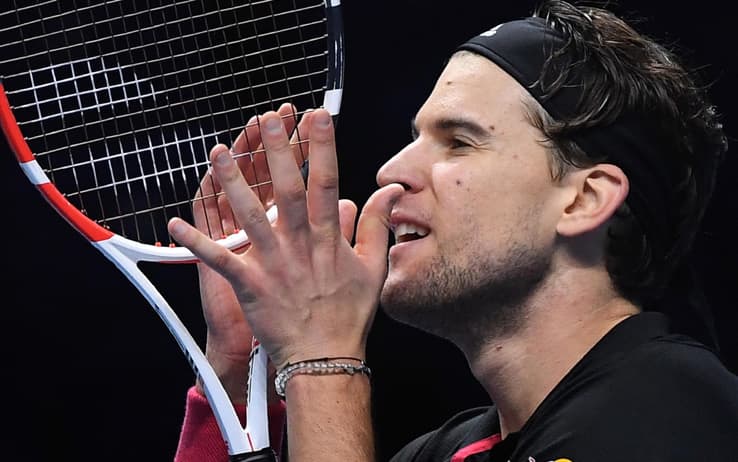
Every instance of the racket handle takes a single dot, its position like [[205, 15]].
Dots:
[[262, 455]]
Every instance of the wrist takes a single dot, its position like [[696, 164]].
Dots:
[[325, 366], [329, 415], [283, 357]]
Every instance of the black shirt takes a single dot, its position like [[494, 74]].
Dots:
[[640, 394]]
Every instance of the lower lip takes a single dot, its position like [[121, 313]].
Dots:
[[403, 246]]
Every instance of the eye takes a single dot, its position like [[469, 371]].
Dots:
[[458, 143]]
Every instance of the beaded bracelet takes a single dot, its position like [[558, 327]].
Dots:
[[319, 366]]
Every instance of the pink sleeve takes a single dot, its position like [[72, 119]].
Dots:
[[200, 439]]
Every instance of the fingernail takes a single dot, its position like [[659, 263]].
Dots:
[[397, 194], [273, 124], [322, 118], [178, 227], [222, 158]]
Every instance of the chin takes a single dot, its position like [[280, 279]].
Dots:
[[403, 301]]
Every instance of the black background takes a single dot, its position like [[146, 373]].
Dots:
[[91, 373]]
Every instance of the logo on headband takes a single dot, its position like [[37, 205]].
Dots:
[[491, 32]]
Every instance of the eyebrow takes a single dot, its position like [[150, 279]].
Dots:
[[447, 124]]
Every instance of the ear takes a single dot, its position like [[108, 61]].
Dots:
[[599, 192]]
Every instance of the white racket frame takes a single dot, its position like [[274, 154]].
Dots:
[[126, 254]]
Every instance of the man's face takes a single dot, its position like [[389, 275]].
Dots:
[[475, 228]]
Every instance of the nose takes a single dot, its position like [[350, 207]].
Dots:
[[402, 168]]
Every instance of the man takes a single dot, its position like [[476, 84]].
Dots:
[[545, 208]]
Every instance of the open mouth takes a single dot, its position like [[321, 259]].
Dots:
[[405, 232]]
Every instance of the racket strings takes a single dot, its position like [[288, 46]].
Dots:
[[118, 92], [121, 103], [48, 37], [251, 153], [257, 185]]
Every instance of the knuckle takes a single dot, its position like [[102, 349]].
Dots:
[[326, 236], [256, 216], [220, 259], [294, 191], [327, 181]]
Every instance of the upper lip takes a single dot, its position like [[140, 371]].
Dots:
[[398, 217]]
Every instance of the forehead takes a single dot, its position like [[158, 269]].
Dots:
[[474, 87]]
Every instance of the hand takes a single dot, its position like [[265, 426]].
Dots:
[[228, 344], [303, 288]]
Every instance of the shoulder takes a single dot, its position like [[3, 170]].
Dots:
[[462, 429], [670, 398], [677, 366], [641, 362], [677, 383]]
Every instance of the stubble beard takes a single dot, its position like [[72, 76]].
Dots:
[[472, 303]]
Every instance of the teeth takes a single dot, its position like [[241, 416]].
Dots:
[[405, 228]]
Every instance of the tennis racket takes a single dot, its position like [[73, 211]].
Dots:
[[111, 108]]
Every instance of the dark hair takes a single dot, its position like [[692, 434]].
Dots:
[[623, 72]]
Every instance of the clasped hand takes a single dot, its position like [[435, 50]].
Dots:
[[305, 290]]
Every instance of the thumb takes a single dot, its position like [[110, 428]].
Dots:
[[372, 232]]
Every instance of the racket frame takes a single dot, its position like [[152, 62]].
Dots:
[[249, 443]]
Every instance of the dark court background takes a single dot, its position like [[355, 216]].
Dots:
[[89, 372]]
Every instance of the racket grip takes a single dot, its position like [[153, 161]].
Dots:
[[262, 455]]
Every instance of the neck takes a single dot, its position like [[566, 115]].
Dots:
[[519, 370]]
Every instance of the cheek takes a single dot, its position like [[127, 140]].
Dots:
[[458, 174], [470, 182], [464, 188], [452, 185], [467, 197], [476, 200]]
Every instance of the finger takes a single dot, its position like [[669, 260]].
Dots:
[[288, 113], [249, 154], [347, 215], [215, 256], [372, 229], [228, 223], [208, 184], [301, 141], [249, 140], [246, 206], [323, 177], [209, 213], [289, 188]]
